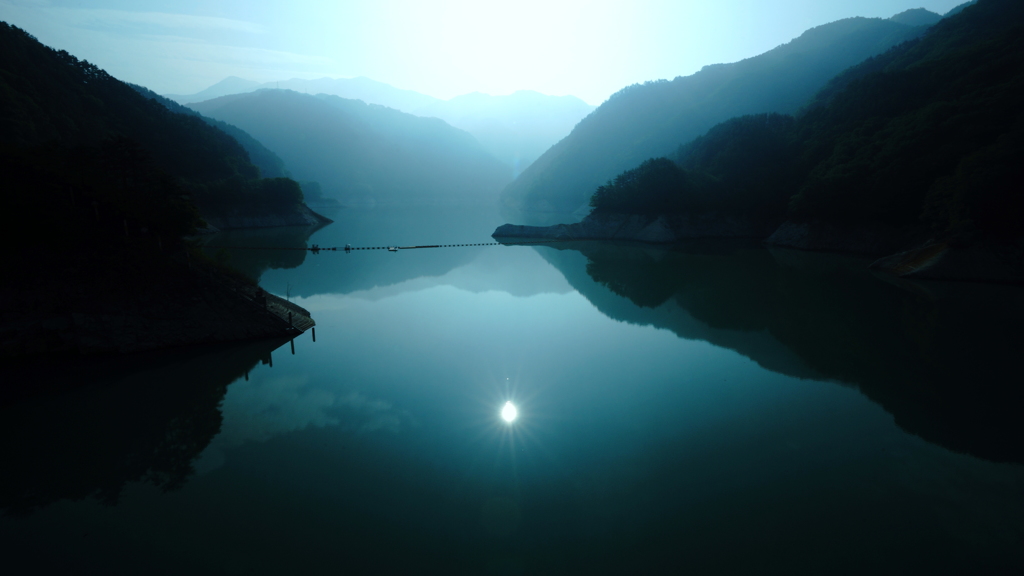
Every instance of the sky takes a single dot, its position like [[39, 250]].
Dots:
[[444, 48]]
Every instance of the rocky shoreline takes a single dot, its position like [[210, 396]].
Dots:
[[899, 252], [652, 229]]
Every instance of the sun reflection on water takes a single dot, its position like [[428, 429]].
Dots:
[[509, 412]]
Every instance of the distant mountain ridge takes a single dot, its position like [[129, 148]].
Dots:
[[515, 128], [360, 88], [229, 85], [365, 154], [653, 119], [917, 17]]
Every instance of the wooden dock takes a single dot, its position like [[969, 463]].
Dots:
[[292, 317]]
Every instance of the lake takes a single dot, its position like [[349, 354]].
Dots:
[[711, 408]]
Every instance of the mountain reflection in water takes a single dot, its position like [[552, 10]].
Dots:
[[143, 419], [714, 407], [941, 357]]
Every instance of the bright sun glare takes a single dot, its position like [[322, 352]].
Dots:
[[509, 412]]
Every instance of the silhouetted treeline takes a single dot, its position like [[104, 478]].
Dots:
[[927, 136]]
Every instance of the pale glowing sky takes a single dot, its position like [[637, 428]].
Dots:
[[443, 48]]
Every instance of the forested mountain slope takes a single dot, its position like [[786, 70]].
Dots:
[[366, 154], [270, 164], [107, 183], [927, 133], [649, 120], [919, 147], [50, 98]]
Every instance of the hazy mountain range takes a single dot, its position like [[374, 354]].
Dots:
[[365, 89], [516, 129], [653, 119], [365, 154]]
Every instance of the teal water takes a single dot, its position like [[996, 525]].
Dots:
[[717, 408]]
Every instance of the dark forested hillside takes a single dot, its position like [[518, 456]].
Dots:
[[927, 132], [742, 165], [925, 139], [270, 164], [363, 153], [49, 97], [650, 120], [109, 183]]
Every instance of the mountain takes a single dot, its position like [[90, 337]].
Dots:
[[229, 85], [361, 88], [365, 154], [916, 17], [959, 8], [270, 164], [83, 117], [652, 119], [914, 151], [111, 182], [927, 134], [516, 128]]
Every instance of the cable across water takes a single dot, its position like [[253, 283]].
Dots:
[[315, 248]]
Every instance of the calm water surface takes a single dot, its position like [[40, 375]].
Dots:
[[711, 409]]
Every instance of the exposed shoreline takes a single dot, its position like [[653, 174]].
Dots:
[[897, 250]]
